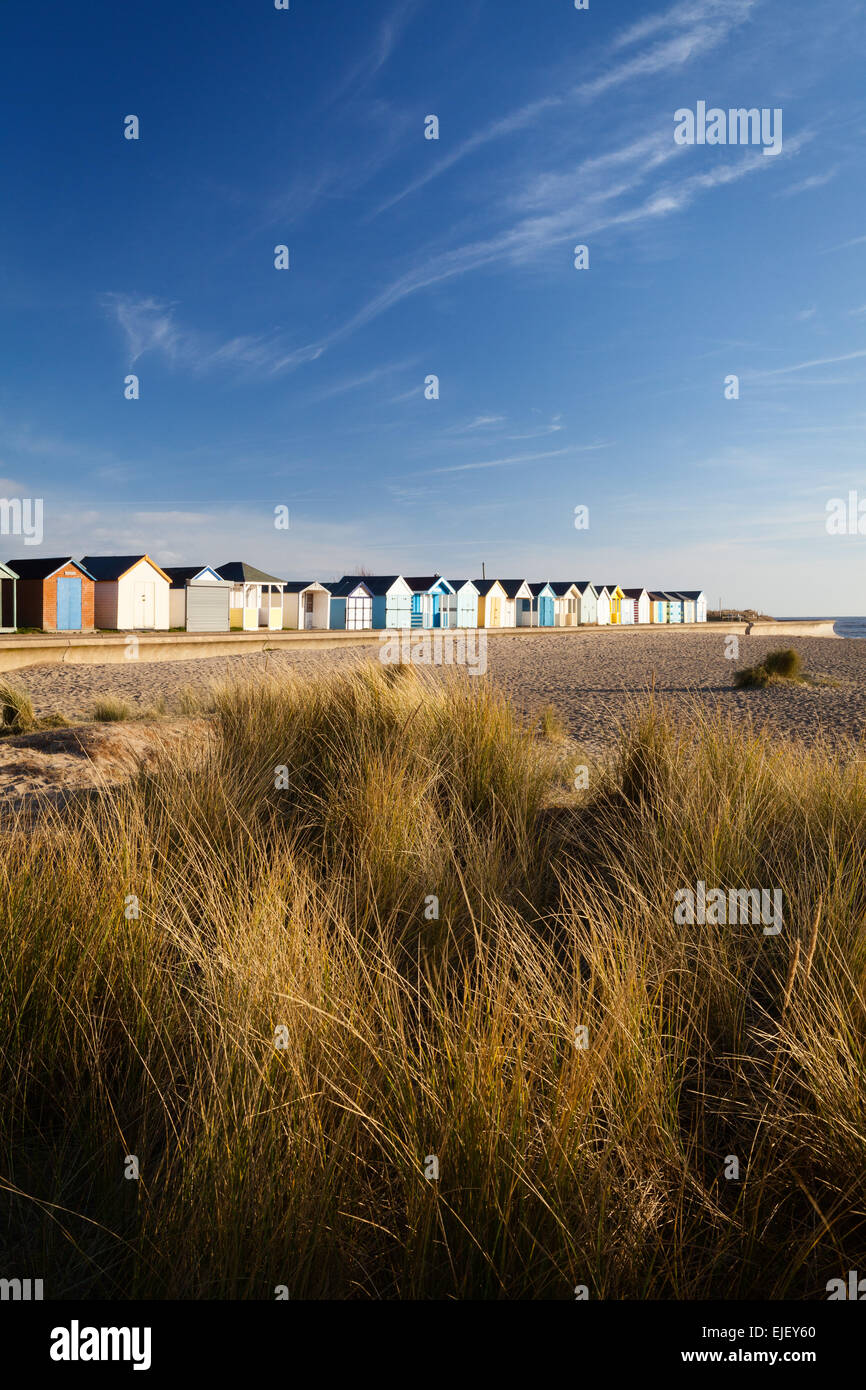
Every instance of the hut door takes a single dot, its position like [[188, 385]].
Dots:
[[144, 603], [308, 610], [68, 605]]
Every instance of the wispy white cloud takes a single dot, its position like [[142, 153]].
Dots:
[[702, 25], [843, 245], [150, 326], [806, 185], [357, 383], [481, 422], [522, 458], [385, 42], [814, 362], [506, 125]]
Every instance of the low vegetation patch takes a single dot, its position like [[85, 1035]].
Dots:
[[16, 710], [348, 935], [777, 667], [110, 709]]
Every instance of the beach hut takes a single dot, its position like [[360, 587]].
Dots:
[[198, 599], [688, 606], [306, 605], [55, 595], [491, 602], [542, 606], [587, 602], [675, 607], [431, 601], [464, 603], [351, 604], [615, 596], [8, 598], [131, 592], [603, 607], [698, 600], [636, 603], [256, 597], [658, 606], [392, 599], [515, 590], [566, 603]]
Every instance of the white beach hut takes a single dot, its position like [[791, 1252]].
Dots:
[[603, 605], [587, 602], [131, 592], [306, 605], [635, 606]]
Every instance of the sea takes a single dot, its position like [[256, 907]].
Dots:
[[843, 627]]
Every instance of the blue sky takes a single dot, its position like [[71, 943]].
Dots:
[[410, 257]]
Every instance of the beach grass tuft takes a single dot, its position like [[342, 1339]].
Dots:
[[16, 710], [779, 666], [111, 709]]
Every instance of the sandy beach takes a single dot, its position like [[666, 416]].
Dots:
[[584, 675]]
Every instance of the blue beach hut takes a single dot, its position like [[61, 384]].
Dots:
[[542, 605], [431, 601], [675, 608]]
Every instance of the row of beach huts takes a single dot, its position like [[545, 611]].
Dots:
[[133, 592]]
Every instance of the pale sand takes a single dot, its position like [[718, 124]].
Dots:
[[584, 675]]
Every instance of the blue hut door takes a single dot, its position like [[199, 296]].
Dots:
[[68, 604], [437, 622], [417, 619], [545, 612]]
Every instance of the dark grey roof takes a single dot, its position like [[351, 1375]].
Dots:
[[537, 585], [378, 584], [458, 583], [634, 593], [297, 586], [657, 596], [422, 584], [691, 593], [39, 567], [180, 575], [583, 584], [561, 586], [484, 585], [511, 586], [239, 572], [112, 566], [341, 588]]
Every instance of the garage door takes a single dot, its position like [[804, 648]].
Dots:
[[359, 612], [207, 608]]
